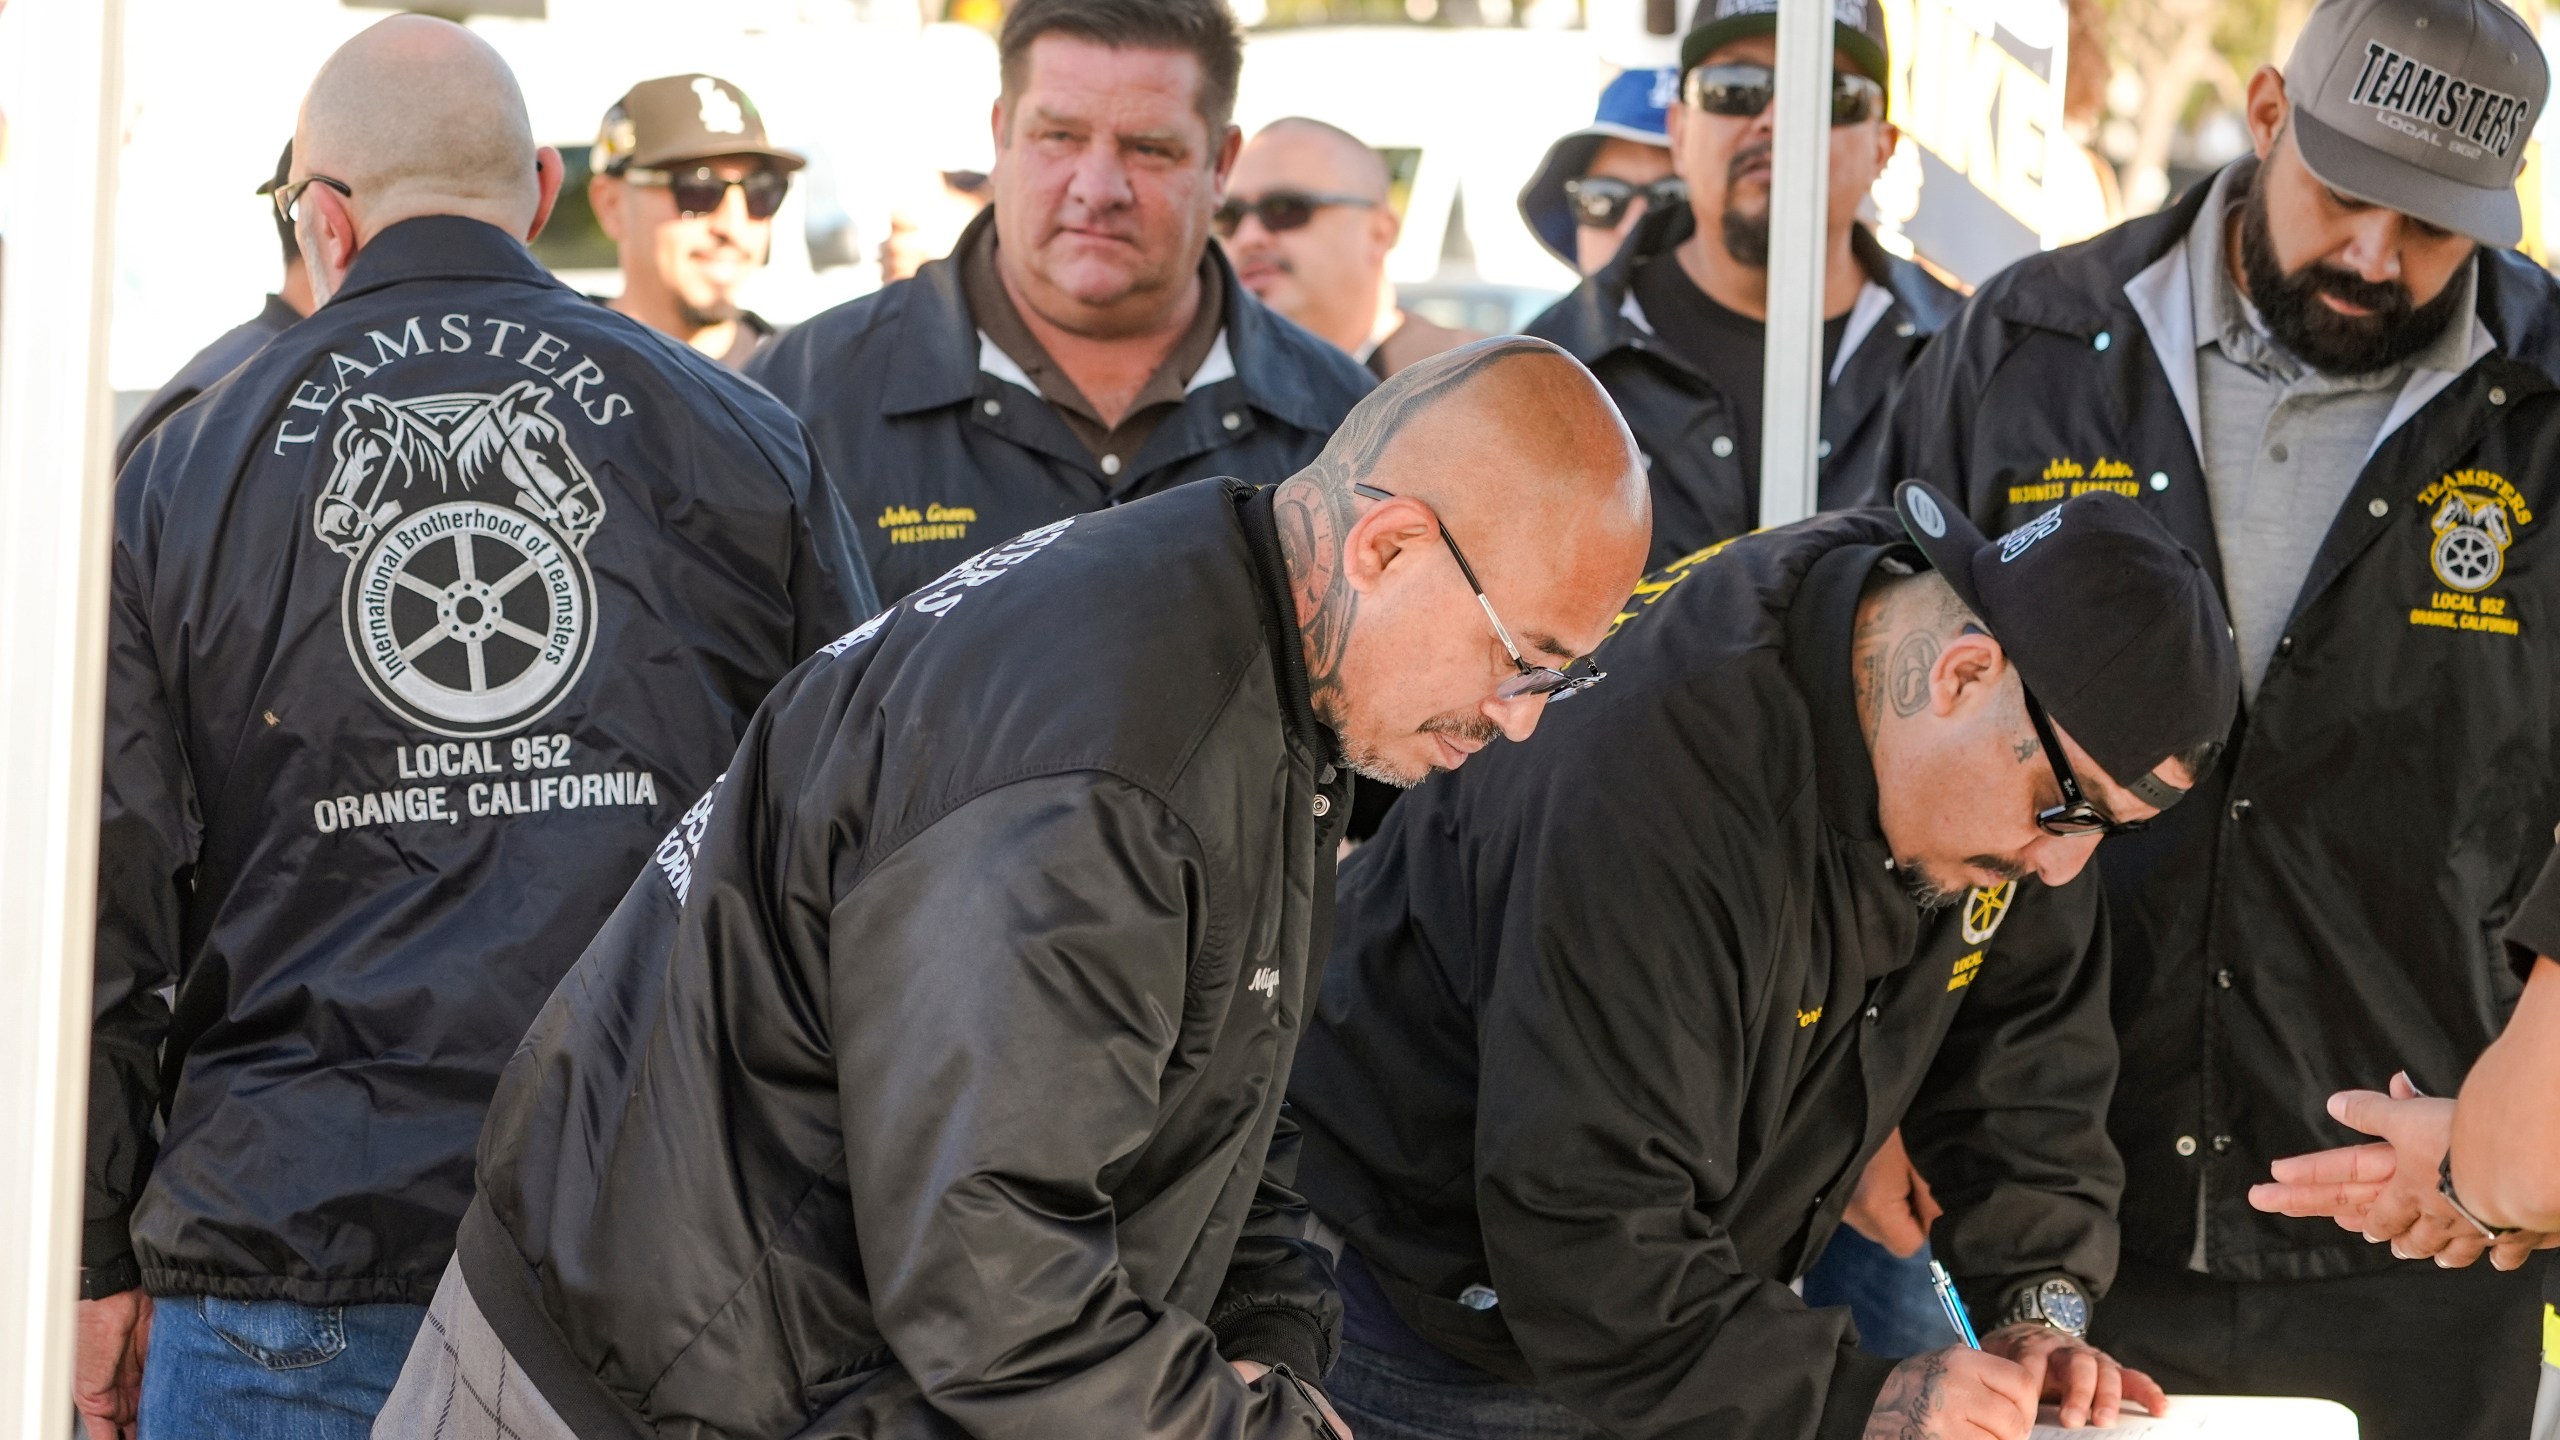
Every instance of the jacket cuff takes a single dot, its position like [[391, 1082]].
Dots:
[[113, 1277], [1276, 1336], [1857, 1378]]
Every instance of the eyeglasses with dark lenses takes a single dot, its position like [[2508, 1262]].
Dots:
[[1532, 679], [1601, 201], [1278, 211], [701, 190], [1744, 90], [2075, 816], [288, 197]]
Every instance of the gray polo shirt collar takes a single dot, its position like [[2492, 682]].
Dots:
[[2165, 295]]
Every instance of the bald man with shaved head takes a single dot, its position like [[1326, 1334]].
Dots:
[[1307, 221], [928, 1082], [1612, 1026], [427, 623]]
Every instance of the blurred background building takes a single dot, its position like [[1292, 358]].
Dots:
[[2028, 123]]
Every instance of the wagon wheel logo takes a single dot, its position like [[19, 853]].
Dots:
[[1985, 909], [468, 616], [2471, 542]]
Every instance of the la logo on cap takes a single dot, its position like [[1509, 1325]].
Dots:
[[720, 113]]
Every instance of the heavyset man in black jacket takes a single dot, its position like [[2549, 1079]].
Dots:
[[2328, 912], [1673, 325], [425, 624], [1613, 1024], [1085, 344], [930, 1082]]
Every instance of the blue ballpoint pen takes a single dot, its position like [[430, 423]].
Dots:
[[1955, 1307]]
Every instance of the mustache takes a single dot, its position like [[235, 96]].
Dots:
[[1476, 728], [2383, 297], [1755, 153]]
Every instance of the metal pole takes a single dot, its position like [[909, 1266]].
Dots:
[[61, 74], [1799, 190]]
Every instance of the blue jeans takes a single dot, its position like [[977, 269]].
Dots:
[[1392, 1397], [1891, 1299], [270, 1369]]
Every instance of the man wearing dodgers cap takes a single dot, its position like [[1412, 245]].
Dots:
[[2324, 372], [1596, 183], [1612, 1024]]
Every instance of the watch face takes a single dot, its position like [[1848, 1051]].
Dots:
[[2064, 1306]]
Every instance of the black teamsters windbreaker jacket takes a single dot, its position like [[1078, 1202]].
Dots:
[[1614, 1022], [1700, 493], [929, 1081], [938, 459], [425, 624], [2325, 909]]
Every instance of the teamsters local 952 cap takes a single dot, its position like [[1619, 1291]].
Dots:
[[2420, 106], [1857, 30], [2111, 622], [679, 119]]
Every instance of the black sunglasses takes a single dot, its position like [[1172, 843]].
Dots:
[[1601, 201], [288, 197], [2075, 816], [1743, 90], [1280, 210], [701, 190], [1533, 679]]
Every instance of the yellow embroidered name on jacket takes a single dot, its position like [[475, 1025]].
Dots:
[[2064, 478], [909, 526]]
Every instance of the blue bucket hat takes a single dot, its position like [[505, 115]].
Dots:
[[1634, 107]]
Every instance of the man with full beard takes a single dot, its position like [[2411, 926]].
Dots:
[[2326, 373], [1672, 325]]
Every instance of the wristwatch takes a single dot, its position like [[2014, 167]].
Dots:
[[2444, 1187], [2058, 1302]]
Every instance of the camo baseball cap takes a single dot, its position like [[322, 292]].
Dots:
[[676, 119], [1857, 29], [2420, 106]]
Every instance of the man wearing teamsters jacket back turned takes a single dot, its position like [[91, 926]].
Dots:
[[425, 624]]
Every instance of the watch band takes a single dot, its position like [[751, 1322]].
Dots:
[[2027, 1306], [2444, 1187]]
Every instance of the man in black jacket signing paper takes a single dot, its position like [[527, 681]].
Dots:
[[930, 1082], [1613, 1025]]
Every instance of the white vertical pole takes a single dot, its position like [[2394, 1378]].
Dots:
[[61, 76], [1799, 190]]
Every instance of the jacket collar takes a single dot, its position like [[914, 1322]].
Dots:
[[939, 349], [2165, 296], [1821, 621], [1279, 617], [2084, 290], [441, 247], [1601, 315]]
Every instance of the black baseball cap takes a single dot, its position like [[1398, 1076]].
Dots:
[[1857, 31], [2113, 625]]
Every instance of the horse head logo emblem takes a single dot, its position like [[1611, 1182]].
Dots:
[[469, 615], [2472, 537]]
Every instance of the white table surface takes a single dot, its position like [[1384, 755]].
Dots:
[[2235, 1417]]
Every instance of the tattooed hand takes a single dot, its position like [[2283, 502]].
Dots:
[[1954, 1394]]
